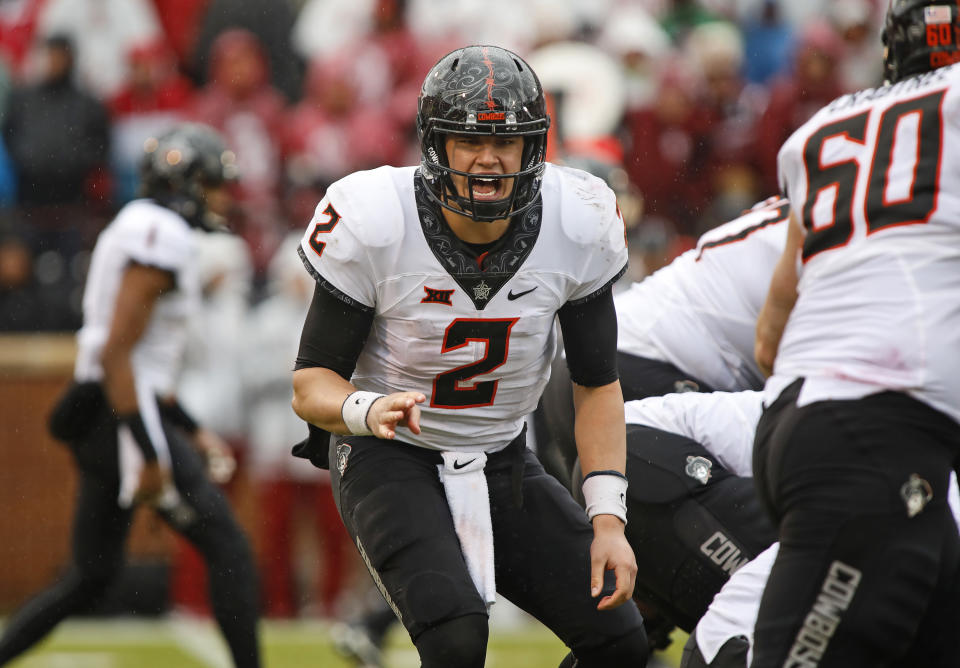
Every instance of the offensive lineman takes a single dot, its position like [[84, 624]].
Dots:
[[692, 323], [688, 326], [724, 424], [855, 449], [132, 442], [430, 338]]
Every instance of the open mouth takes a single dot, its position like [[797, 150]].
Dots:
[[485, 190]]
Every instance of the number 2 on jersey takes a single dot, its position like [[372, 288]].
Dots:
[[449, 389], [324, 227], [904, 172]]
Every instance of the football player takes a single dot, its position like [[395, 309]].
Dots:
[[430, 338], [861, 327], [688, 327], [695, 516], [132, 442]]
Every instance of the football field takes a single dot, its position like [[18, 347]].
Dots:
[[184, 642]]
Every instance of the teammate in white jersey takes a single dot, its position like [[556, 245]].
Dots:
[[694, 514], [855, 449], [694, 320], [430, 338], [132, 442], [688, 327]]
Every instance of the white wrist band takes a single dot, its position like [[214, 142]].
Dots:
[[355, 409], [605, 493]]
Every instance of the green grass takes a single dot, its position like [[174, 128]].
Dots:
[[191, 643]]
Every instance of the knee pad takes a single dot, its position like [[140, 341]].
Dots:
[[628, 651], [457, 642]]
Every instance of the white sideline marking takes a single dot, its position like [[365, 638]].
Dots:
[[200, 639], [69, 660]]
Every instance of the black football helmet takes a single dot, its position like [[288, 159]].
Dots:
[[482, 90], [179, 164], [919, 36]]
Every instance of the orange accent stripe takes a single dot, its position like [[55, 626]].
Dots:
[[489, 81]]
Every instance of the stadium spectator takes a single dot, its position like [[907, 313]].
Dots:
[[181, 20], [57, 136], [132, 442], [240, 101], [733, 108], [18, 24], [505, 23], [102, 32], [794, 98], [682, 16], [768, 43], [330, 134], [8, 176], [641, 46], [667, 149], [33, 295], [271, 21], [154, 83], [858, 25], [588, 88], [386, 57], [44, 120]]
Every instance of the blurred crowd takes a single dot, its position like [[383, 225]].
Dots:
[[681, 105]]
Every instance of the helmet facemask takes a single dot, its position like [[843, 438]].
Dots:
[[463, 95]]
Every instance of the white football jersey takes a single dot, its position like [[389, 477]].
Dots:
[[477, 342], [148, 234], [722, 422], [877, 187], [700, 311]]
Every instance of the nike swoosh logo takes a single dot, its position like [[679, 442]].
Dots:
[[511, 295], [457, 465]]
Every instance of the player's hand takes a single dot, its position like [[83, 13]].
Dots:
[[399, 409], [611, 551], [217, 455], [153, 480]]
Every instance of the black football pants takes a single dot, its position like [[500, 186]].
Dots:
[[394, 507], [867, 572], [100, 529]]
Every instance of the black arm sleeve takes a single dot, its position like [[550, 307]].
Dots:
[[333, 334], [590, 339]]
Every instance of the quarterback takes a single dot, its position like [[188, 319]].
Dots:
[[429, 339]]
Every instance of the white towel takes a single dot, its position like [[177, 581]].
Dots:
[[466, 488], [131, 463]]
